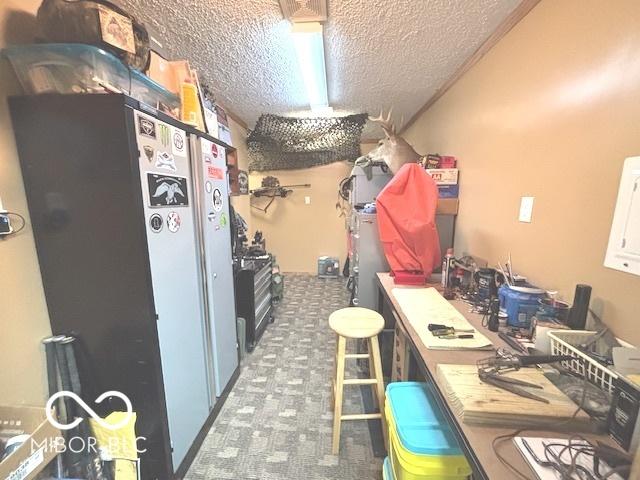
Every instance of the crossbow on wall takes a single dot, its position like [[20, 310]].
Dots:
[[271, 189]]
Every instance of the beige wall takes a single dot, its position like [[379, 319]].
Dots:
[[298, 233], [23, 317], [551, 112]]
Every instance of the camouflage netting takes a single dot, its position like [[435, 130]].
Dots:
[[288, 143]]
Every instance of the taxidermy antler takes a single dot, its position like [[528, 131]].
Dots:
[[393, 150]]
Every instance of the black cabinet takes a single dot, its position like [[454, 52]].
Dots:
[[253, 296]]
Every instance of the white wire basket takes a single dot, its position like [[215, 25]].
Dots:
[[563, 342]]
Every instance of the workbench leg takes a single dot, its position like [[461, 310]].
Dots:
[[337, 406], [374, 349]]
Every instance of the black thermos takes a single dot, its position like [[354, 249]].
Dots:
[[494, 309], [578, 314]]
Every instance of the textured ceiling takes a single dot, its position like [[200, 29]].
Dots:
[[379, 53]]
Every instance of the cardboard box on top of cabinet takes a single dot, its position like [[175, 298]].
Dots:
[[444, 176], [162, 72]]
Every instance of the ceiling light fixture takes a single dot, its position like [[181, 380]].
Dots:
[[309, 45]]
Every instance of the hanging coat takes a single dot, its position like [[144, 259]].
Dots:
[[406, 221]]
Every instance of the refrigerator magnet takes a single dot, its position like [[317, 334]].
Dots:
[[156, 223], [173, 222], [217, 200], [179, 142], [146, 127], [167, 191], [164, 134], [166, 161]]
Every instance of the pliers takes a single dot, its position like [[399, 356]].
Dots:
[[512, 385]]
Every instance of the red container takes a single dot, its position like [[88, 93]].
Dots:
[[403, 277]]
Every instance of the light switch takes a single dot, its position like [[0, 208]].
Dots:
[[307, 200], [526, 209]]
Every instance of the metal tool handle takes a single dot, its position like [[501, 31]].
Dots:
[[528, 360]]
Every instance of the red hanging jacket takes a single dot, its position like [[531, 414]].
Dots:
[[406, 221]]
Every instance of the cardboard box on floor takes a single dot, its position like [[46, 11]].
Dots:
[[34, 455]]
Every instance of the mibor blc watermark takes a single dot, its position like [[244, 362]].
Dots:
[[116, 445]]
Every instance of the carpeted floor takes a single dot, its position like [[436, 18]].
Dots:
[[277, 421]]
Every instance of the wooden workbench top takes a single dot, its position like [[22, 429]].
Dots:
[[479, 437]]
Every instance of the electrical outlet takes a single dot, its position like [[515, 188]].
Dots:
[[5, 224], [526, 209], [307, 200]]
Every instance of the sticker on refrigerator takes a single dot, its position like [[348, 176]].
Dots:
[[156, 223], [223, 220], [167, 191], [215, 173], [148, 152], [217, 200], [179, 142], [146, 127], [208, 187], [214, 150], [173, 222], [165, 160], [164, 134], [205, 146]]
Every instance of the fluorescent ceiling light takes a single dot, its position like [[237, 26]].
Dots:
[[309, 45]]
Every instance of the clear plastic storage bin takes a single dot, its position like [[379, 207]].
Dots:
[[78, 68]]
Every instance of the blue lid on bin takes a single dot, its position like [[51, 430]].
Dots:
[[387, 473], [421, 426]]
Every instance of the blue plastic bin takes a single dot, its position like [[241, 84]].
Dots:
[[421, 444]]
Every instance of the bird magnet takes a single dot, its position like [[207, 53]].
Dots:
[[167, 191]]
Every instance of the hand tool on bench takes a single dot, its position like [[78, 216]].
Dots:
[[491, 370], [444, 331]]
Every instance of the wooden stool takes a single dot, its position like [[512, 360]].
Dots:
[[356, 322]]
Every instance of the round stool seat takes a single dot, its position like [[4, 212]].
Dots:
[[356, 322]]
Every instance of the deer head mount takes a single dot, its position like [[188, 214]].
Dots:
[[393, 150]]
